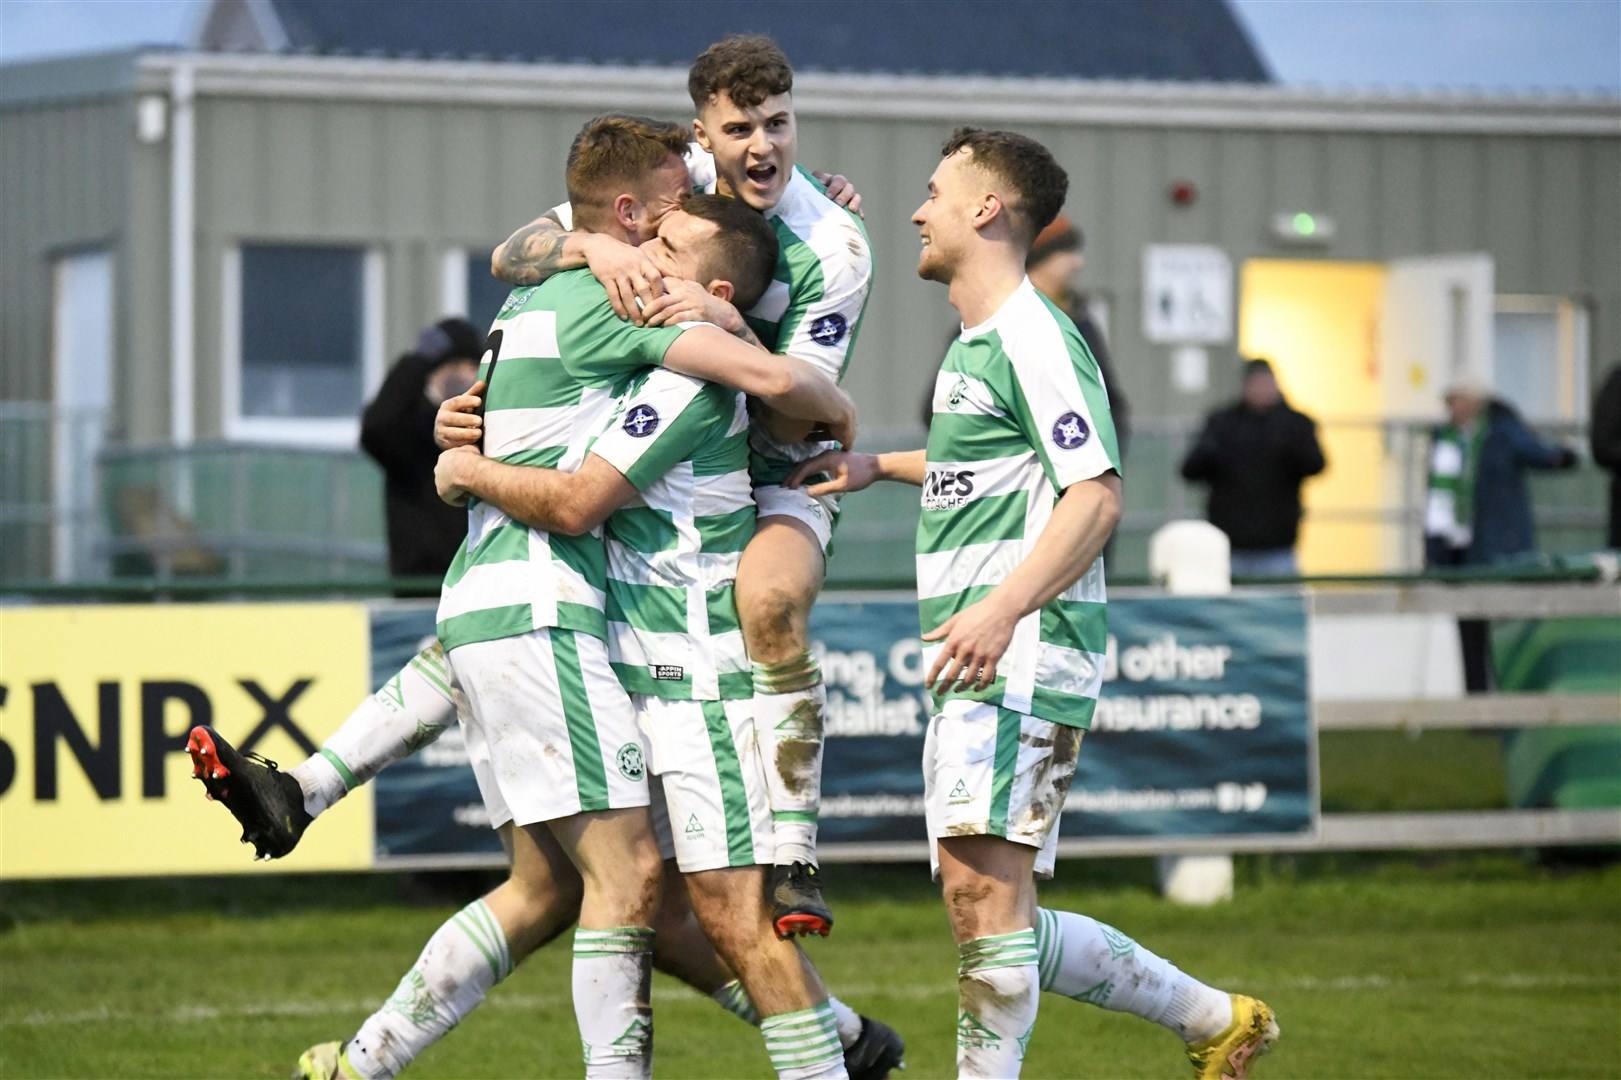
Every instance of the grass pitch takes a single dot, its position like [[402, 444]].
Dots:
[[1468, 966]]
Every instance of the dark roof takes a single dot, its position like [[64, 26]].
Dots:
[[1169, 40]]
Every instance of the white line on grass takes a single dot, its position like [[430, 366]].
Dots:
[[677, 995]]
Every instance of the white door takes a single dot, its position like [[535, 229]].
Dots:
[[81, 370], [1435, 326]]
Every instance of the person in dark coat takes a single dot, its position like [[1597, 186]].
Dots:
[[1255, 454], [1605, 440], [1478, 509], [397, 431]]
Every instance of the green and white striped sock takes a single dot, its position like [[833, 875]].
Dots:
[[735, 1000], [1093, 962], [804, 1045], [790, 706], [997, 997], [409, 711], [467, 954], [613, 984]]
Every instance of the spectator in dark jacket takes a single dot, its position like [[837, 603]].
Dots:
[[1478, 509], [397, 431], [1605, 438], [1255, 454]]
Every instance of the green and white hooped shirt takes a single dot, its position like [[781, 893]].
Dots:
[[673, 630], [812, 310], [564, 360], [1019, 414]]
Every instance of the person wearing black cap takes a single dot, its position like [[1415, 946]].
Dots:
[[1054, 260], [1255, 454], [397, 431]]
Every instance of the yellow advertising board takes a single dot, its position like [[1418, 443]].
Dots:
[[95, 706]]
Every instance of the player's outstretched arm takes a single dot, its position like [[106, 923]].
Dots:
[[788, 385], [543, 248], [855, 472], [977, 636], [536, 252], [570, 504]]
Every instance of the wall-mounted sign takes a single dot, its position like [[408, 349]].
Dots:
[[1187, 295]]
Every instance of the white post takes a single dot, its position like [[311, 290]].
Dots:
[[182, 274], [1193, 558]]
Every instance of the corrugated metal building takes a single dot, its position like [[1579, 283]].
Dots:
[[232, 246]]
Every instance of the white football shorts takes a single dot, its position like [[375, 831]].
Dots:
[[819, 513], [550, 733], [705, 757], [990, 771]]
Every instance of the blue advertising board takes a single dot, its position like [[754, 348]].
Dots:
[[1202, 729]]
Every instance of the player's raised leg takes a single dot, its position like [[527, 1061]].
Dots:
[[1093, 962], [274, 807], [778, 580], [409, 711]]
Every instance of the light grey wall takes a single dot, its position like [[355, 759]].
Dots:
[[404, 157], [1547, 208], [64, 182]]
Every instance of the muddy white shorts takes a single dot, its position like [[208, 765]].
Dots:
[[819, 513], [989, 771], [550, 733], [704, 756]]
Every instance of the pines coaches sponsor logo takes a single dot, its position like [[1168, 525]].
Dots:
[[947, 488]]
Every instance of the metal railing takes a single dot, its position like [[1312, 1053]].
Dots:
[[241, 513]]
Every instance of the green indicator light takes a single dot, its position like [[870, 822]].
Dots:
[[1305, 224]]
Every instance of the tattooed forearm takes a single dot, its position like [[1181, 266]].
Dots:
[[747, 335], [532, 254]]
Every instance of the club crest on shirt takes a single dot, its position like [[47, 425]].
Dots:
[[641, 422], [1070, 431], [957, 392], [829, 330]]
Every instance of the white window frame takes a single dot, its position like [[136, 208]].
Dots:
[[1575, 346], [453, 292], [329, 432], [83, 356]]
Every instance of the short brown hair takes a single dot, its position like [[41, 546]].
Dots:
[[748, 68], [614, 153], [744, 250], [1035, 180]]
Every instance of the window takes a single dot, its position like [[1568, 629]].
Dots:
[[469, 289], [303, 341], [82, 335], [1540, 346], [485, 292]]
